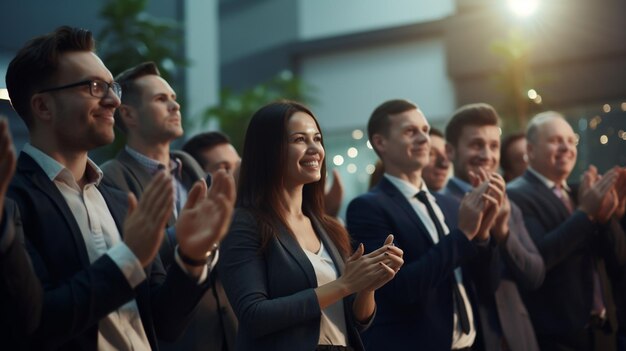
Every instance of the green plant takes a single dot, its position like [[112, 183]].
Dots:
[[235, 108]]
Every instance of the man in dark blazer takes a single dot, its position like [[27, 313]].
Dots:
[[150, 118], [104, 284], [473, 146], [579, 242], [430, 304]]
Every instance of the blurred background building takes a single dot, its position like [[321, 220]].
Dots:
[[345, 57]]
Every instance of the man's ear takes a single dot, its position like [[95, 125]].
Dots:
[[530, 151], [42, 106], [378, 142], [128, 115], [451, 152]]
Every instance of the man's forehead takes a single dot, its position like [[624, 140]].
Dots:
[[407, 118], [486, 132], [84, 64]]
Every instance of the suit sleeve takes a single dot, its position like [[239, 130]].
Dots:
[[243, 271], [521, 255], [370, 223], [21, 293]]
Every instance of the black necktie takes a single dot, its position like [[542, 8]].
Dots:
[[456, 293]]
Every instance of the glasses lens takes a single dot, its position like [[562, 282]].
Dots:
[[117, 89], [98, 88]]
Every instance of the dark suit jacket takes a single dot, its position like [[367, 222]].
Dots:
[[214, 325], [504, 313], [21, 295], [415, 309], [272, 288], [570, 245], [79, 293], [124, 172]]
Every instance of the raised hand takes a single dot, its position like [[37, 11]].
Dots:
[[620, 187], [334, 195], [500, 227], [145, 222], [472, 210], [370, 272], [597, 196], [204, 220], [7, 161]]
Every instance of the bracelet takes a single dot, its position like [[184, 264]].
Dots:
[[191, 261]]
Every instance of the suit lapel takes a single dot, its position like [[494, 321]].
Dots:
[[329, 245], [547, 196], [398, 198], [293, 247], [31, 170], [135, 168]]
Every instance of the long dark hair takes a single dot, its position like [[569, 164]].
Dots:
[[262, 175]]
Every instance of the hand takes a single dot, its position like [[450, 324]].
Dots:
[[205, 218], [597, 196], [7, 161], [334, 195], [473, 209], [500, 228], [145, 222], [369, 272], [620, 187]]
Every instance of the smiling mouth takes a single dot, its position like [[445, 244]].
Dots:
[[312, 164]]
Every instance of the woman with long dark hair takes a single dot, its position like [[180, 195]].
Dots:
[[285, 265]]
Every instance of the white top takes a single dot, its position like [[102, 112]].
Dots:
[[459, 339], [333, 329]]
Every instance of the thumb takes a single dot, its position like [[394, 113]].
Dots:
[[197, 192], [357, 253], [389, 239], [132, 203]]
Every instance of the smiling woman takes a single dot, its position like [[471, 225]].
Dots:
[[285, 265]]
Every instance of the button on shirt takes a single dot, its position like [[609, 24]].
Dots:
[[121, 329], [459, 339]]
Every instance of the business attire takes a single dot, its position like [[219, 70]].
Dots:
[[214, 325], [96, 294], [574, 308], [504, 317], [21, 295], [419, 308], [271, 288], [619, 292]]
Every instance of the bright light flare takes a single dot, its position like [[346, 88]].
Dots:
[[523, 8], [4, 94]]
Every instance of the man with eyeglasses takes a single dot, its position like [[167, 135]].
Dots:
[[150, 117], [93, 247]]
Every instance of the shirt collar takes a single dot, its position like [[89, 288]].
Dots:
[[153, 165], [550, 184], [53, 169], [463, 185], [407, 189]]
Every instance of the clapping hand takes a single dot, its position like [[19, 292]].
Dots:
[[206, 216]]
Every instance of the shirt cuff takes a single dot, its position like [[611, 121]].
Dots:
[[211, 262], [128, 263]]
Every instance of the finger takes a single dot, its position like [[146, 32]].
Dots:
[[357, 253], [197, 192], [389, 239], [132, 204]]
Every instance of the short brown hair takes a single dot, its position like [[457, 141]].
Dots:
[[479, 114], [379, 122], [131, 90], [36, 63]]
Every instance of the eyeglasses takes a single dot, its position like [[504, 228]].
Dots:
[[97, 88]]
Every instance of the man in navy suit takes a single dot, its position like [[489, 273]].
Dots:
[[104, 284], [473, 146], [430, 304], [579, 241]]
